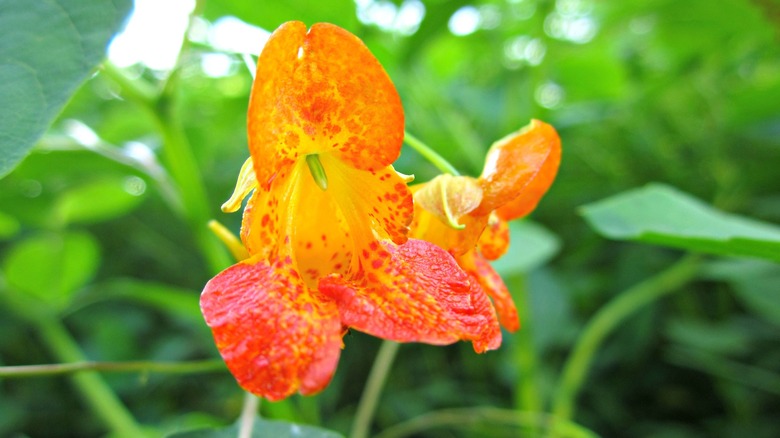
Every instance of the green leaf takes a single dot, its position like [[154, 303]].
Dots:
[[52, 266], [725, 337], [9, 226], [96, 201], [47, 50], [530, 246], [662, 215], [756, 284], [262, 429]]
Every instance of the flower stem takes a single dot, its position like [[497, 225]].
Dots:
[[606, 320], [429, 154], [373, 389], [198, 366], [248, 414], [527, 388], [179, 160], [93, 389]]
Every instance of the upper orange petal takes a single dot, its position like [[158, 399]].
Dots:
[[414, 293], [519, 169], [275, 335], [321, 91]]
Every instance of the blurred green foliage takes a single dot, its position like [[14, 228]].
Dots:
[[103, 236]]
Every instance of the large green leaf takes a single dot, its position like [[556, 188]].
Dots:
[[662, 215], [262, 429], [48, 48]]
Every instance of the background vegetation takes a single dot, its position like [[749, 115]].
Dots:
[[104, 248]]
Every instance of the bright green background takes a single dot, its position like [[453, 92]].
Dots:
[[670, 121]]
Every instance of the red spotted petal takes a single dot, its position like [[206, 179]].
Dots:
[[275, 335], [414, 293], [321, 91], [518, 171], [494, 241], [479, 269]]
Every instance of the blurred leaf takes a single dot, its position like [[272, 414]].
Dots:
[[171, 300], [262, 429], [723, 338], [531, 245], [662, 215], [606, 77], [761, 295], [8, 225], [756, 284], [551, 320], [271, 14], [48, 49], [51, 266], [745, 374], [96, 201]]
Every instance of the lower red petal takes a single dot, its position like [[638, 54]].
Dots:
[[417, 293], [275, 335]]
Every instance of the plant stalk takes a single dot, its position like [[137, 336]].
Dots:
[[361, 427], [100, 398], [606, 320], [429, 154]]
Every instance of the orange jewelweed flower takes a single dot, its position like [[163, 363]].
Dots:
[[325, 230], [468, 216]]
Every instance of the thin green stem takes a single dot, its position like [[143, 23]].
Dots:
[[490, 416], [248, 413], [136, 90], [429, 154], [527, 389], [606, 320], [361, 427], [93, 389], [191, 367], [179, 159]]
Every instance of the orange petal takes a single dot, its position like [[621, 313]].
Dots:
[[264, 220], [372, 201], [478, 268], [414, 293], [494, 241], [321, 91], [519, 169], [275, 335]]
